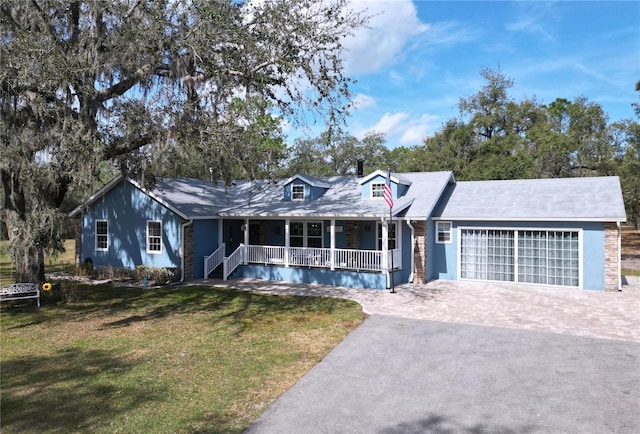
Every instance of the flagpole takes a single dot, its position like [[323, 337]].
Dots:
[[388, 197], [393, 290]]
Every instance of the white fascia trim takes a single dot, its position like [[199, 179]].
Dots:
[[307, 181], [307, 216], [383, 173], [97, 195], [158, 199], [528, 219]]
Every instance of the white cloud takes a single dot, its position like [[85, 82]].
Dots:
[[536, 18], [403, 129], [362, 101], [391, 27], [418, 129], [389, 123]]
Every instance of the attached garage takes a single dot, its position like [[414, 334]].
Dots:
[[558, 232], [524, 256]]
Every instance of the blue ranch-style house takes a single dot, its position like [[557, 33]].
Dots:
[[340, 230]]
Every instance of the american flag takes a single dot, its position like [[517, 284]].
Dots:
[[388, 197]]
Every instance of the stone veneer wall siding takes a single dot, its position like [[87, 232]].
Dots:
[[419, 249], [611, 257], [353, 235], [188, 252]]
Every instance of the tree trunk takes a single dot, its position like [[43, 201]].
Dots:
[[27, 257], [29, 263]]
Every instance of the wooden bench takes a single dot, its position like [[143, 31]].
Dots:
[[20, 291]]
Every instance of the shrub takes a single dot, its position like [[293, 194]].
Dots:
[[66, 291], [158, 275]]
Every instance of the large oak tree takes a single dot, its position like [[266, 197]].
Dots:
[[128, 81]]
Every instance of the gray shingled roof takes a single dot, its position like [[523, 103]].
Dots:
[[557, 199], [564, 199], [200, 199], [342, 199]]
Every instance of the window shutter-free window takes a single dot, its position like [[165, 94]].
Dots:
[[297, 192], [154, 237], [102, 235], [377, 190], [443, 230], [391, 236]]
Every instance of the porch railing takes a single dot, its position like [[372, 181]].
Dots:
[[212, 261], [348, 259], [265, 254], [233, 261]]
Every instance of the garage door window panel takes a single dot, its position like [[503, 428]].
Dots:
[[542, 257]]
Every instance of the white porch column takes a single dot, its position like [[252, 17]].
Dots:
[[332, 257], [246, 239], [413, 254], [385, 251], [286, 242], [385, 245]]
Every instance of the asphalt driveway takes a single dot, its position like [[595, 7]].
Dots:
[[401, 375], [470, 357]]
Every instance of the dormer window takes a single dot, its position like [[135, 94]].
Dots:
[[297, 192], [377, 190]]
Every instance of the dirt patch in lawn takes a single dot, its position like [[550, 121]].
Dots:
[[631, 249]]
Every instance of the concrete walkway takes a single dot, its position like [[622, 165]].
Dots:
[[609, 315]]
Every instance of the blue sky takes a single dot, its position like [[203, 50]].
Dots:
[[419, 57]]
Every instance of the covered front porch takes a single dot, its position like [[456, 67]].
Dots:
[[364, 253]]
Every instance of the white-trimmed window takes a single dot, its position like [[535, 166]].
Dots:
[[297, 192], [314, 234], [377, 190], [305, 234], [102, 235], [154, 236], [443, 232], [391, 236]]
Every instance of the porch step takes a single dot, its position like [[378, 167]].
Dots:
[[216, 273]]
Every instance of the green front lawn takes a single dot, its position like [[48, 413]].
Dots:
[[176, 359]]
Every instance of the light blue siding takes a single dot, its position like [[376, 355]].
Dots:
[[309, 275], [205, 241], [444, 257], [407, 266], [366, 187], [310, 192], [127, 211], [593, 256], [275, 232]]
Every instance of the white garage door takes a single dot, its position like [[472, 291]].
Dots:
[[528, 256]]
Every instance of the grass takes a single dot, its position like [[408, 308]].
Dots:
[[62, 262], [176, 359]]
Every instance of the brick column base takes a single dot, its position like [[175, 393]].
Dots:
[[419, 252], [188, 252]]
